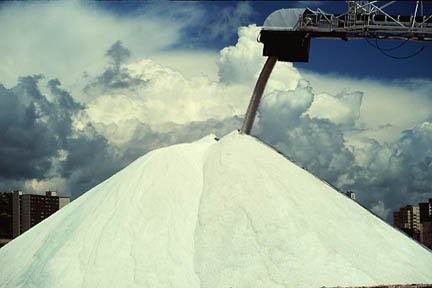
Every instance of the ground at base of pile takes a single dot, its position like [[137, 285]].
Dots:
[[388, 286]]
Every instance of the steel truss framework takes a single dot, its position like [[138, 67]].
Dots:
[[363, 20]]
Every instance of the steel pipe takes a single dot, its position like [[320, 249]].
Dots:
[[257, 94]]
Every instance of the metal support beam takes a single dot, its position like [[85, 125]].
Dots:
[[257, 94]]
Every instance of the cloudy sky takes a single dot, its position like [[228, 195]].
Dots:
[[86, 87]]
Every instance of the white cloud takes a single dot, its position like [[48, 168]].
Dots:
[[198, 63], [343, 108], [287, 106], [387, 107], [65, 38], [243, 62], [167, 97], [174, 96]]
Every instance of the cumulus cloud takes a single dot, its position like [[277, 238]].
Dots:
[[317, 144], [342, 108], [242, 63], [167, 96], [387, 108]]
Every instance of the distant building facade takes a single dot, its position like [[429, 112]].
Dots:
[[5, 218], [426, 233], [350, 194], [416, 222], [19, 212], [426, 223], [408, 220], [426, 211]]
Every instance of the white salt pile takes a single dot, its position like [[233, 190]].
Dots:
[[232, 213]]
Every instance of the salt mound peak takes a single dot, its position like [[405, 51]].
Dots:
[[227, 213]]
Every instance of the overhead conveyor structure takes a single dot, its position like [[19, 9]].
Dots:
[[286, 35]]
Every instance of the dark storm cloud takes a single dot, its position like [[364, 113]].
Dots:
[[36, 130], [30, 133], [90, 160], [65, 108], [115, 76], [401, 172]]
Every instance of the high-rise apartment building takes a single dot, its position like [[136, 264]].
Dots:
[[416, 222], [426, 223], [36, 208], [5, 217], [19, 212], [408, 219], [426, 211], [426, 233], [16, 213]]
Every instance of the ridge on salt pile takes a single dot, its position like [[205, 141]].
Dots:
[[233, 213]]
